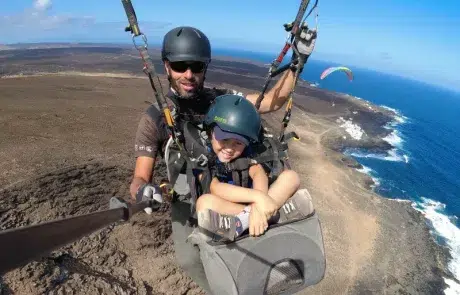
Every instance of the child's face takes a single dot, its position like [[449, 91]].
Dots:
[[227, 149]]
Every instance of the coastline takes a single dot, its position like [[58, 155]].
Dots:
[[400, 222], [373, 244]]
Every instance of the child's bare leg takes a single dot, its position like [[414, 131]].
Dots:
[[294, 204], [284, 187], [218, 205]]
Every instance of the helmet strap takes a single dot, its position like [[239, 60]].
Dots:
[[204, 76]]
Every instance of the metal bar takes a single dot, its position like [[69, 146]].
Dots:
[[137, 207], [21, 245]]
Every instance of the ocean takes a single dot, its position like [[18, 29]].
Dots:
[[424, 165]]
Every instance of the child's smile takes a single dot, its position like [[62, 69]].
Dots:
[[227, 149]]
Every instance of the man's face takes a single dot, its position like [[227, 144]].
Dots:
[[186, 76]]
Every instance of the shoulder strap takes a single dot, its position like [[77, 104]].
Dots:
[[241, 177], [241, 164]]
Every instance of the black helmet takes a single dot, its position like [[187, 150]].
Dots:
[[234, 114], [186, 44]]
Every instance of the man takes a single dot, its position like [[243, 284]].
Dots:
[[186, 54]]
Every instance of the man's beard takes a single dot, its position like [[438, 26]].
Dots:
[[175, 85]]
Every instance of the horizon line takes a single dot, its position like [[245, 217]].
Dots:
[[157, 45]]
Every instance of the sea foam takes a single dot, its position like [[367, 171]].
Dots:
[[447, 230]]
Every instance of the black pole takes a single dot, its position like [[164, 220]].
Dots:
[[21, 245]]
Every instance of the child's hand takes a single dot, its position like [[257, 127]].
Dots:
[[266, 206], [257, 222]]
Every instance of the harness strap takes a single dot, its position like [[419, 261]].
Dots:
[[245, 178], [191, 179], [270, 156], [240, 164], [236, 178], [276, 169], [176, 165], [205, 181]]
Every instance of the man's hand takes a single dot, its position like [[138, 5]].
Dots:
[[148, 192], [305, 44], [257, 222]]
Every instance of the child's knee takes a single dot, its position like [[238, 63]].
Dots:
[[203, 202], [292, 177]]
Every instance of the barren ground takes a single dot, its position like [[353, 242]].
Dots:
[[66, 147]]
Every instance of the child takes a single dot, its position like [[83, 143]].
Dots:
[[233, 123]]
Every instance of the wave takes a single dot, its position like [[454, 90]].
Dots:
[[402, 200], [399, 117], [392, 155], [446, 229], [371, 173], [365, 170], [406, 158], [453, 289], [394, 138]]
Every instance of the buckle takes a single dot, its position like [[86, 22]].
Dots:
[[202, 160]]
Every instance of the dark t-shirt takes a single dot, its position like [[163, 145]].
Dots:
[[152, 133]]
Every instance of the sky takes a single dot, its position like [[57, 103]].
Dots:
[[411, 38]]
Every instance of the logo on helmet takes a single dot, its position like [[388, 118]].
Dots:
[[220, 119]]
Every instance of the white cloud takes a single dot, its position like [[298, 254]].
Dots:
[[39, 18], [33, 21], [39, 23], [42, 5]]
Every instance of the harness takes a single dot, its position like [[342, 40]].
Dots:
[[222, 172], [202, 165]]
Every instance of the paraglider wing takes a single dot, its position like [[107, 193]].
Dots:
[[334, 69]]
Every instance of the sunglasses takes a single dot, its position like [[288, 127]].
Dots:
[[182, 66]]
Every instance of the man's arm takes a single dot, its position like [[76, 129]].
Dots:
[[277, 96], [148, 136], [142, 173]]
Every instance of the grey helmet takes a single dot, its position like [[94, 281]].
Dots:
[[186, 44]]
